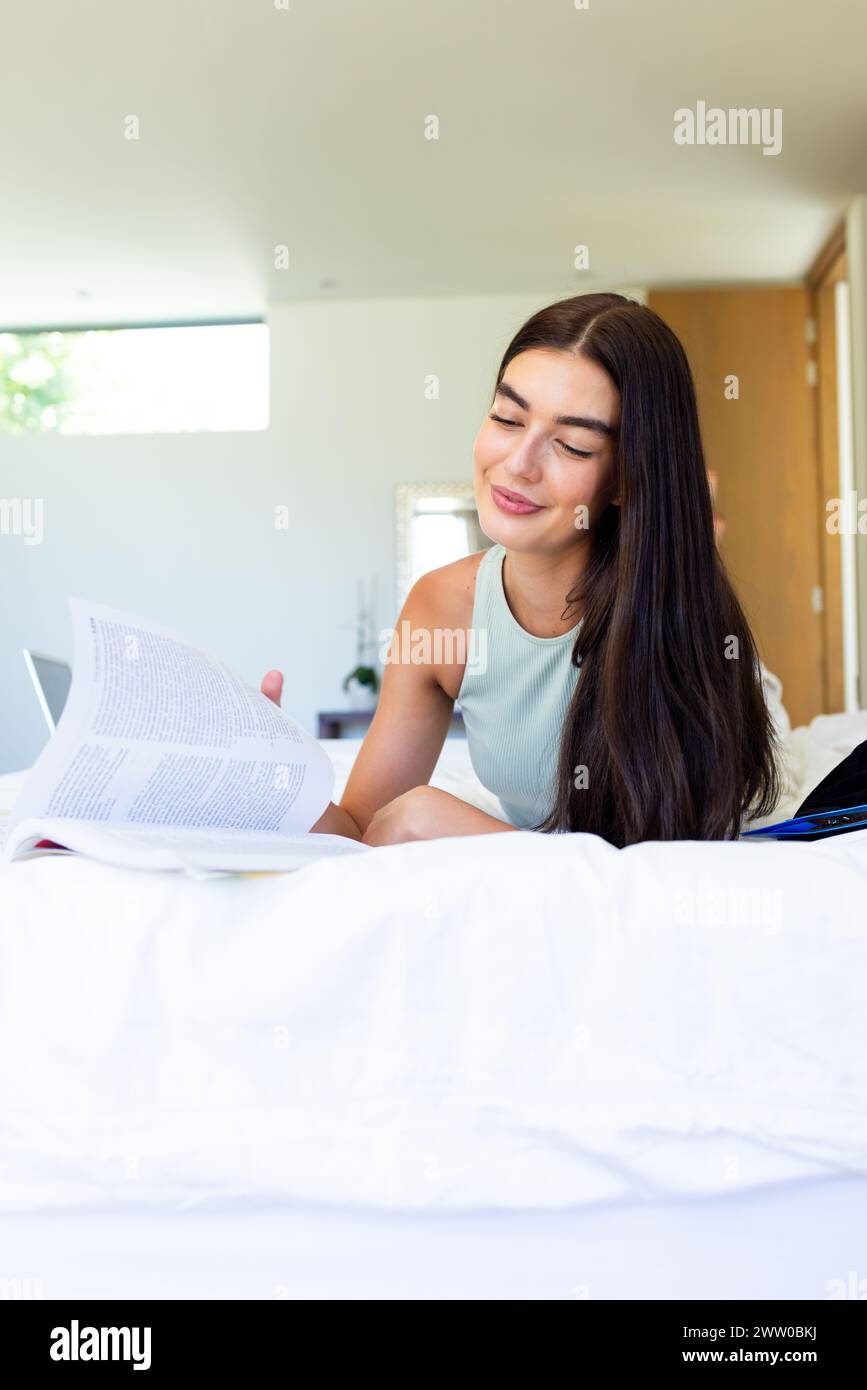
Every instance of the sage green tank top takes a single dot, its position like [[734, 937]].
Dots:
[[514, 697]]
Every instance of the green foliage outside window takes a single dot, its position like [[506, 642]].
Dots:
[[34, 387]]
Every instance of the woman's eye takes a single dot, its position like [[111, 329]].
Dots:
[[576, 453]]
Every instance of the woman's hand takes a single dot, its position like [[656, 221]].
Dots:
[[427, 813]]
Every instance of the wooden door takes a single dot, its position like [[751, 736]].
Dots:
[[762, 444]]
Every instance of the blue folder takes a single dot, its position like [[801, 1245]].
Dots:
[[834, 822]]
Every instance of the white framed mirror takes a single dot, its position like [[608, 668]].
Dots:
[[435, 523]]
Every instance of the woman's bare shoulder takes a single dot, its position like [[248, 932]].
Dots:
[[444, 597], [441, 602]]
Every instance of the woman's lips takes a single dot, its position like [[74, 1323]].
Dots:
[[512, 502]]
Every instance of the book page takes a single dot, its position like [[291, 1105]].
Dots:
[[179, 847], [154, 732]]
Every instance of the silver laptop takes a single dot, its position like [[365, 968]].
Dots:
[[51, 681]]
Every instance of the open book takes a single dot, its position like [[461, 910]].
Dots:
[[164, 759]]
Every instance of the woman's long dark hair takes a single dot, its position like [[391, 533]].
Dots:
[[668, 716]]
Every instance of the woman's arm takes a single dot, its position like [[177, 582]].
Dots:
[[409, 727], [428, 813]]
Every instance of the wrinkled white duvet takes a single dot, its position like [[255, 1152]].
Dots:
[[507, 1021]]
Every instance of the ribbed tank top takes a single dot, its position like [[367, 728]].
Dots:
[[513, 697]]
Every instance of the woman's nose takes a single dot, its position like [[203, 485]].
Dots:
[[524, 459]]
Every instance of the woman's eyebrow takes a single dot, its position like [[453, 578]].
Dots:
[[584, 422]]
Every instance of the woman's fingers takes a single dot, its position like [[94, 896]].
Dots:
[[272, 686]]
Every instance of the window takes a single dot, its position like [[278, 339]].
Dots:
[[135, 380]]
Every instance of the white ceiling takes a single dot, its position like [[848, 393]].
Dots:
[[261, 126]]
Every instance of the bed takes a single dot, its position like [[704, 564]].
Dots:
[[495, 1067]]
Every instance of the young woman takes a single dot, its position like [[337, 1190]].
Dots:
[[621, 692]]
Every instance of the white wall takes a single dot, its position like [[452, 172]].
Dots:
[[180, 528]]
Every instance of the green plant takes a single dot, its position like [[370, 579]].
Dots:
[[364, 672], [365, 675]]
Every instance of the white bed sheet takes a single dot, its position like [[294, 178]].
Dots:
[[502, 1020], [797, 1241], [390, 1068]]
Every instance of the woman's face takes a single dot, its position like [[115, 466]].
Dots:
[[550, 439]]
